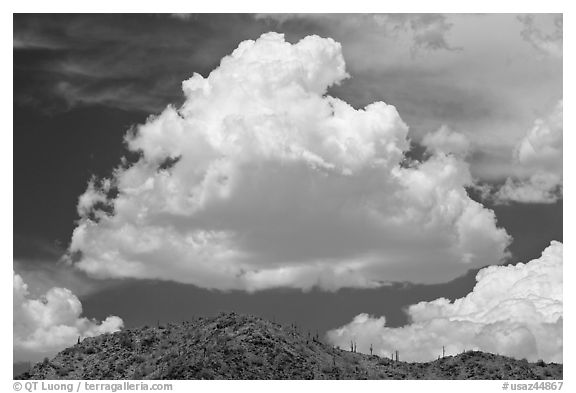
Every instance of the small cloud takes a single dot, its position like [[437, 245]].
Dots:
[[446, 141], [513, 310], [538, 188], [45, 325], [538, 158]]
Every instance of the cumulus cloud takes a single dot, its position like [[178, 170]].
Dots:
[[260, 180], [446, 141], [538, 159], [512, 310], [45, 325]]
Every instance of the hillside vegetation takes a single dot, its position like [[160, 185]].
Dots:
[[233, 346]]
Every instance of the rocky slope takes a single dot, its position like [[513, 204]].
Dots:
[[233, 346]]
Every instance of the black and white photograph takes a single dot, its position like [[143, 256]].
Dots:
[[288, 196]]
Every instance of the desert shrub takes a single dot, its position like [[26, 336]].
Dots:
[[148, 369], [137, 374], [126, 341], [348, 369], [541, 363], [69, 351], [142, 371], [62, 371], [205, 374], [281, 359], [90, 350], [327, 369], [120, 368], [173, 371], [147, 341], [255, 360]]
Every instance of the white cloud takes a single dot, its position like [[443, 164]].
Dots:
[[273, 183], [512, 310], [43, 326], [434, 87], [538, 160], [538, 188], [92, 196], [444, 140]]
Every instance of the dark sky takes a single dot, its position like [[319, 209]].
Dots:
[[80, 82]]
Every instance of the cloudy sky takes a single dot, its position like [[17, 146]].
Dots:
[[355, 174]]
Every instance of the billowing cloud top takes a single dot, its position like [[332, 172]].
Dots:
[[538, 160], [512, 310], [46, 325], [261, 180]]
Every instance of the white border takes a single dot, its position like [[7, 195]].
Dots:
[[491, 6]]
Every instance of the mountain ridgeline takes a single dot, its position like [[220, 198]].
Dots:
[[232, 346]]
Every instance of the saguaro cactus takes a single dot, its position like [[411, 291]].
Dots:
[[371, 349]]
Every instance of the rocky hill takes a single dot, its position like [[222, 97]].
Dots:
[[233, 346]]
